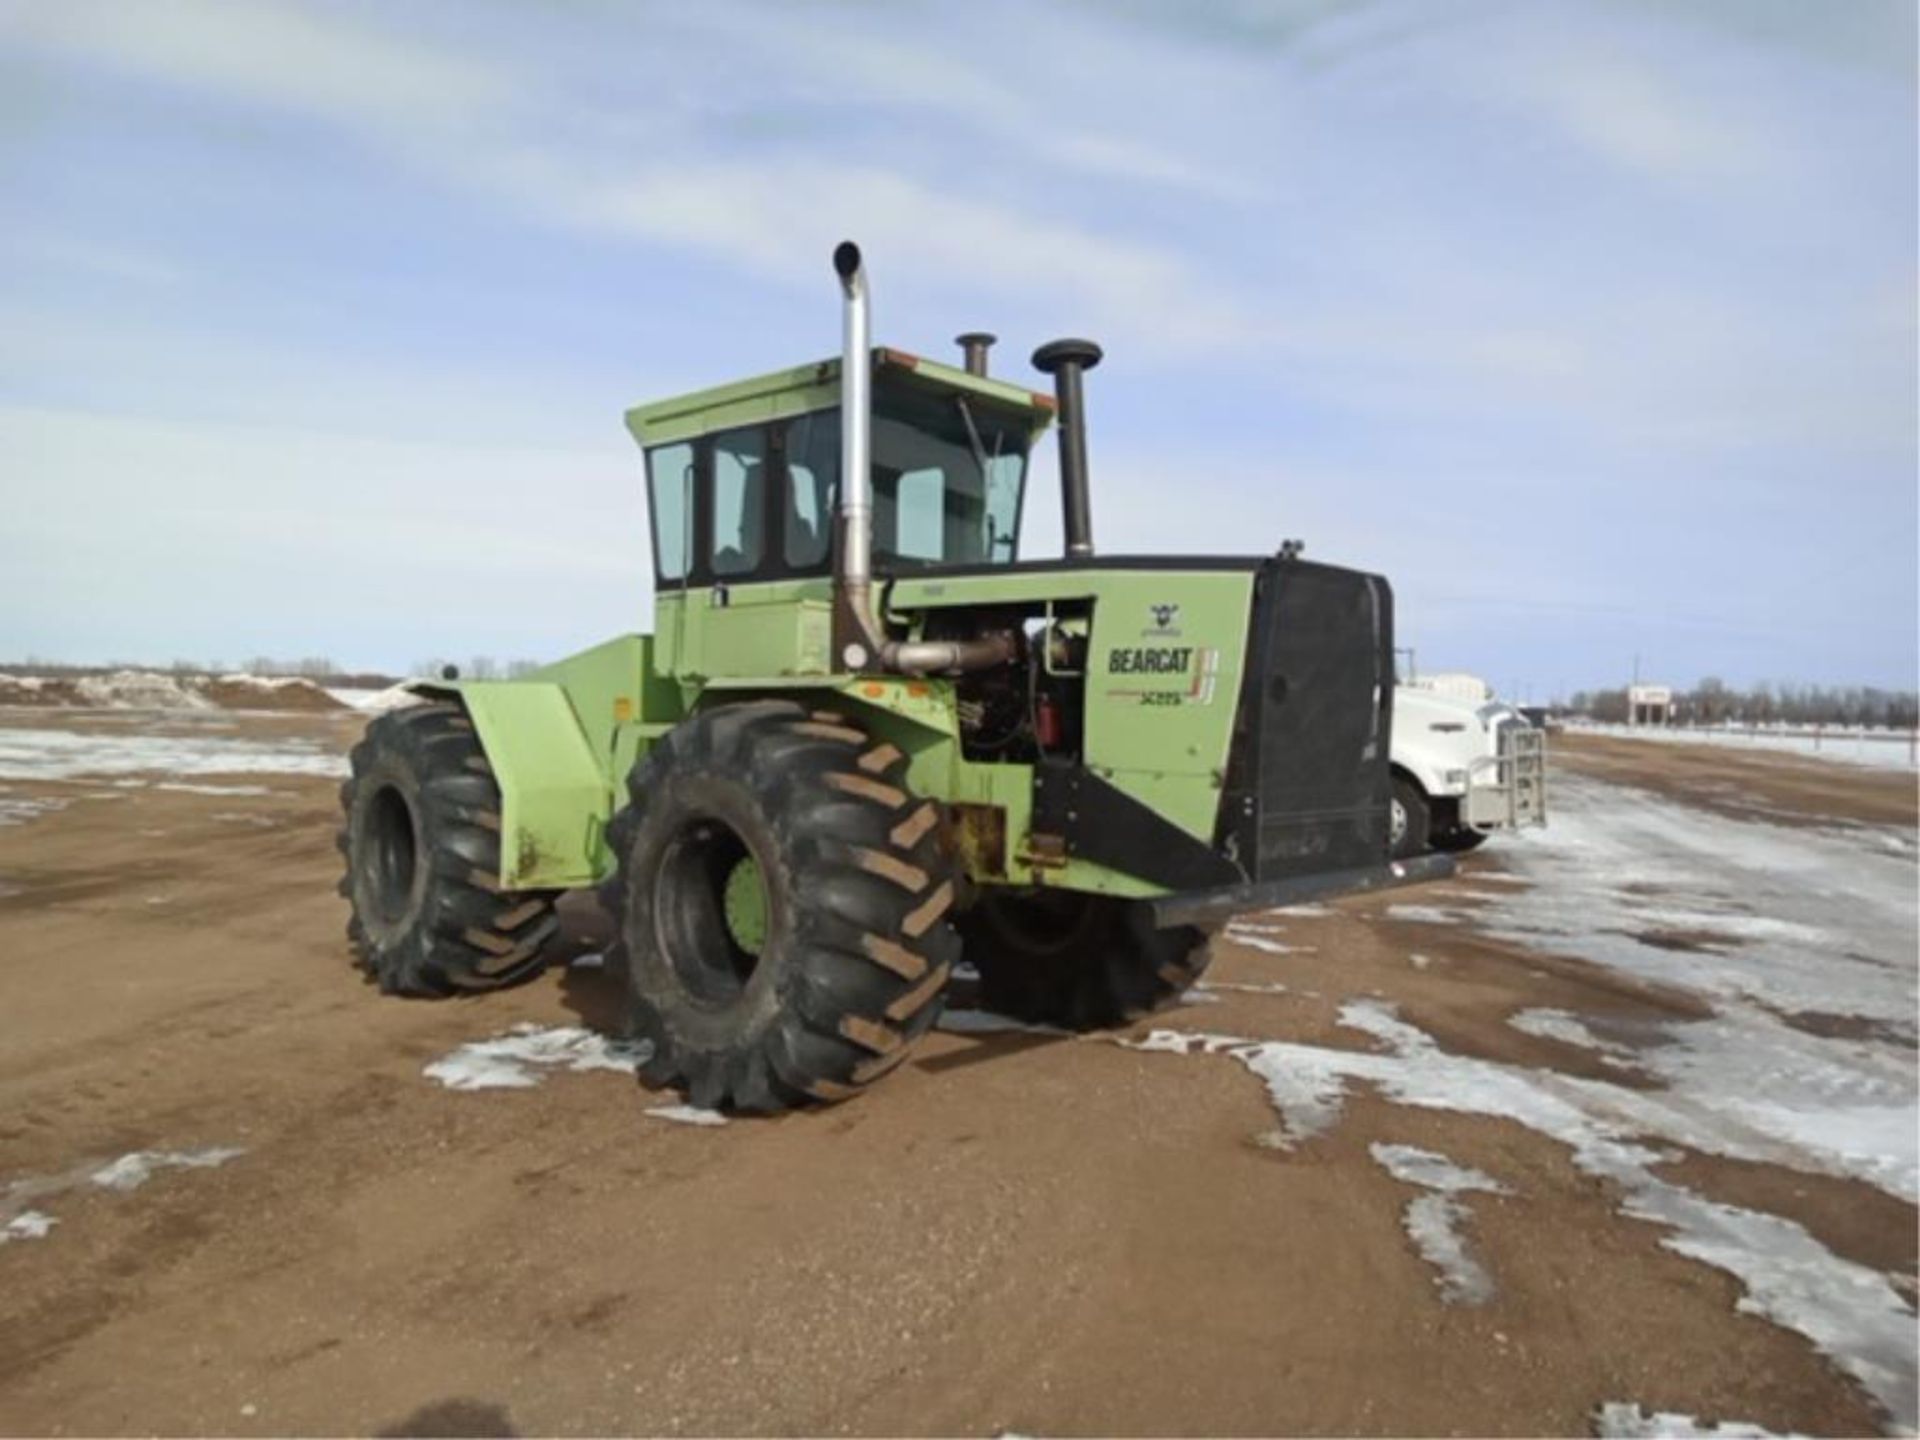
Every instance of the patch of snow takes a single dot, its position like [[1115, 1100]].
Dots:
[[186, 789], [512, 1061], [394, 697], [1802, 921], [1567, 1028], [1419, 961], [1430, 1170], [139, 690], [592, 960], [18, 810], [65, 754], [687, 1114], [1847, 1310], [132, 1171], [1271, 987], [1620, 1420], [1258, 940], [27, 1225], [1433, 1221], [1877, 749], [1425, 914]]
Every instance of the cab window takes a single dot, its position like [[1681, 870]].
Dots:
[[739, 502], [670, 476]]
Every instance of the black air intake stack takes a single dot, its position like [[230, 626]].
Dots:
[[1065, 360], [973, 347]]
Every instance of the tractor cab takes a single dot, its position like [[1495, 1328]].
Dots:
[[743, 480]]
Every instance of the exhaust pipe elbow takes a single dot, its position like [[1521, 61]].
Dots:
[[846, 264]]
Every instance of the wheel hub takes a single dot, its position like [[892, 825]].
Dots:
[[745, 902]]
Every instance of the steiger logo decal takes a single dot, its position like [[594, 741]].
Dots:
[[1163, 616]]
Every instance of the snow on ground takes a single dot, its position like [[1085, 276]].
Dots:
[[132, 1171], [375, 702], [687, 1114], [21, 1219], [28, 1225], [139, 690], [1849, 1311], [19, 809], [1619, 1420], [65, 755], [1568, 1029], [1433, 1220], [512, 1061], [1263, 935], [1766, 924], [1879, 749], [185, 789], [1427, 914]]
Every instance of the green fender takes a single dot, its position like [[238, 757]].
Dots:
[[549, 739]]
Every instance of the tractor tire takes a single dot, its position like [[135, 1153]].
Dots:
[[422, 846], [1409, 823], [1079, 961], [782, 900]]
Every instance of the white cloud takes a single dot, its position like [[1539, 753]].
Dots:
[[268, 52], [1650, 122]]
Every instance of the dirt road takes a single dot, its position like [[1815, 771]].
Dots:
[[1455, 1162]]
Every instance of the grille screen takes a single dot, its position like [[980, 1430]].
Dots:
[[1309, 787]]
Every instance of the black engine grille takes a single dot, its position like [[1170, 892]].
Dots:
[[1307, 784]]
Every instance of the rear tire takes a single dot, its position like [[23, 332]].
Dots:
[[422, 845], [783, 902], [1409, 821], [1079, 961]]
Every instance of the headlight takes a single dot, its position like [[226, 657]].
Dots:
[[1456, 777]]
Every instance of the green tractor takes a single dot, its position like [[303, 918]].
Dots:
[[866, 740]]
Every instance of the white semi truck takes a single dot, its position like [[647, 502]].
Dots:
[[1463, 768]]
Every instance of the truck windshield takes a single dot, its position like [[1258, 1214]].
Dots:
[[947, 479]]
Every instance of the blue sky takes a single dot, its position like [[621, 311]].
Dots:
[[1591, 325]]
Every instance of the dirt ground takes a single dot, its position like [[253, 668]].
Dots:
[[1015, 1232]]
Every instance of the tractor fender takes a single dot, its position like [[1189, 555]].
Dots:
[[556, 794]]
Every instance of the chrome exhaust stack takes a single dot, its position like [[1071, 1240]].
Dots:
[[859, 639], [853, 574]]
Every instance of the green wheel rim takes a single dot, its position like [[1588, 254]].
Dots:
[[745, 901]]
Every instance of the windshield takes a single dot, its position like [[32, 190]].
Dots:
[[947, 478]]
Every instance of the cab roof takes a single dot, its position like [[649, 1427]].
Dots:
[[781, 393]]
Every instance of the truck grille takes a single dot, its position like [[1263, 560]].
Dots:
[[1307, 786]]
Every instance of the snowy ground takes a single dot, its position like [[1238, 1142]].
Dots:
[[28, 754], [1801, 942], [1880, 749]]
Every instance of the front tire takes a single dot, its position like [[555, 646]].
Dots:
[[421, 840], [1409, 821], [1079, 961], [1459, 840], [783, 902]]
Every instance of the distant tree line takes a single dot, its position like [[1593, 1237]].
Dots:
[[1714, 702]]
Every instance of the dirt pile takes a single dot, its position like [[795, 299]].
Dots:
[[154, 690]]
